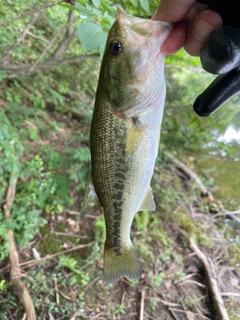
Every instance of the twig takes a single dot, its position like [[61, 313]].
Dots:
[[149, 317], [166, 303], [226, 213], [24, 316], [97, 315], [15, 272], [68, 37], [73, 317], [56, 291], [64, 296], [189, 296], [35, 16], [230, 294], [173, 313], [14, 71], [231, 216], [49, 257], [188, 276], [91, 283], [192, 175], [30, 34], [66, 234], [142, 305], [50, 44], [211, 281], [31, 12], [50, 316], [195, 282]]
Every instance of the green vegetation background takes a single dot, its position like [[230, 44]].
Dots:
[[50, 54]]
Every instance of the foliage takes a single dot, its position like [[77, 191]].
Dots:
[[97, 18], [142, 220], [44, 141]]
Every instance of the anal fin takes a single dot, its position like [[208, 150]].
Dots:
[[148, 203]]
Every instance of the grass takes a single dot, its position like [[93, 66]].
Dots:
[[53, 167]]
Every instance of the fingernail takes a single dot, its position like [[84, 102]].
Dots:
[[202, 31]]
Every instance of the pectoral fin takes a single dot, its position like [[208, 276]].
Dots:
[[90, 200], [148, 203], [133, 139]]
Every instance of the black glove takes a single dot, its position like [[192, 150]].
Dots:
[[221, 55]]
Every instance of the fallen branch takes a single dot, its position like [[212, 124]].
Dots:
[[164, 302], [230, 214], [49, 257], [191, 175], [19, 287], [14, 71], [211, 282], [142, 305]]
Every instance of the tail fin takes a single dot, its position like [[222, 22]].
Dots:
[[123, 263]]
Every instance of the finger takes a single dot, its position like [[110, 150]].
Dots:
[[173, 10], [218, 92], [199, 31], [175, 40]]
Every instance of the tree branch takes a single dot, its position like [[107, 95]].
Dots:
[[14, 71], [192, 175], [50, 44], [37, 37], [212, 282], [35, 16], [31, 12], [15, 272], [69, 35]]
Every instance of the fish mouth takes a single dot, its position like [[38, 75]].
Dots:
[[141, 30], [139, 25]]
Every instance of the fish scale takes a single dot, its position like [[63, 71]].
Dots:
[[107, 148]]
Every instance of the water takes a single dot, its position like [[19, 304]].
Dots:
[[223, 165], [213, 142], [230, 135]]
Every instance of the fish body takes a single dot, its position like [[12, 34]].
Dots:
[[125, 134]]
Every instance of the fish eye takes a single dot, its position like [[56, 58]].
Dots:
[[116, 47]]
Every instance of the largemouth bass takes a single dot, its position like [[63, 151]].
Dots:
[[125, 133]]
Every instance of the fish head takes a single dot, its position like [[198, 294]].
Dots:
[[132, 58]]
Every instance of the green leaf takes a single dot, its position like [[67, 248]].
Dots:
[[91, 36], [96, 3], [82, 9], [33, 134], [145, 5], [134, 2]]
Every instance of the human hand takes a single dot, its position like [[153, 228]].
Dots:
[[193, 25], [199, 31]]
